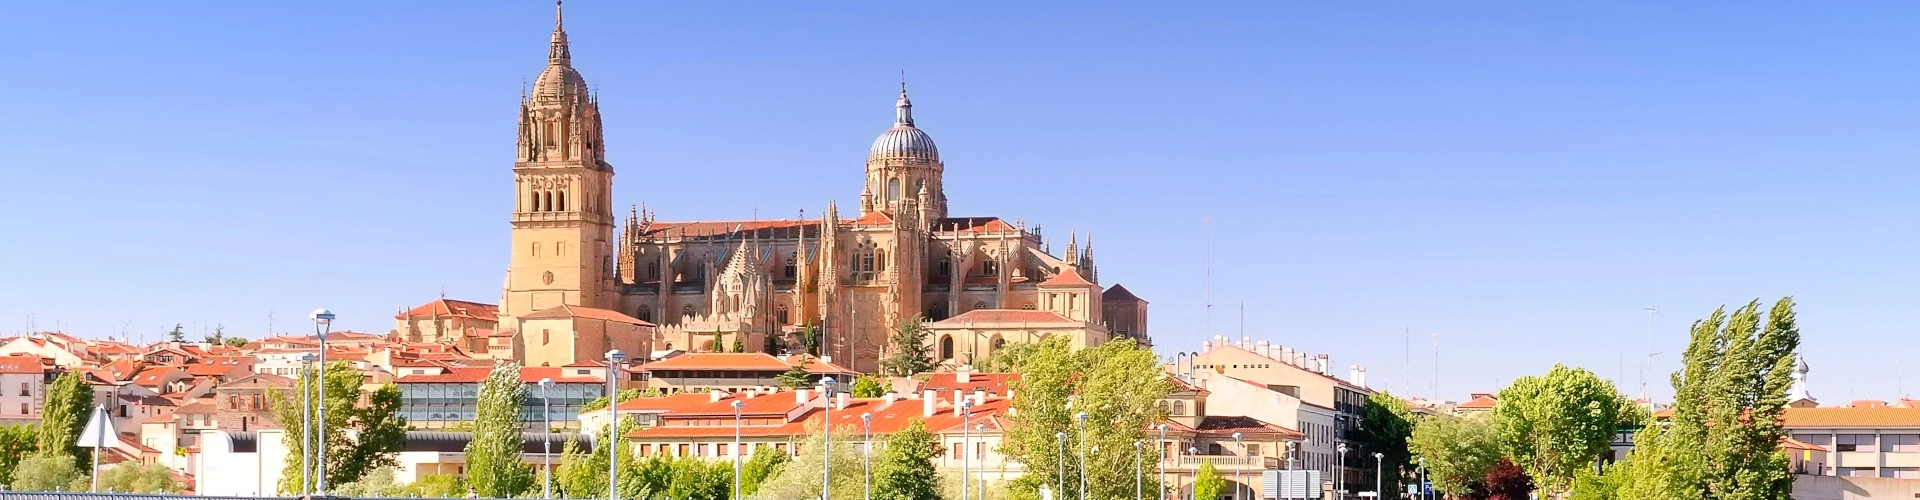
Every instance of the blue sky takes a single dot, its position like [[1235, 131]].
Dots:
[[1520, 178]]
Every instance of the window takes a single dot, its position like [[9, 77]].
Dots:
[[1253, 449], [23, 408], [792, 268], [946, 347], [687, 312], [945, 267], [653, 271], [980, 305], [893, 189], [1854, 442], [546, 336], [1900, 472], [1179, 408], [956, 451], [536, 249], [989, 268], [880, 260], [1900, 443], [23, 389], [1856, 471], [559, 248], [645, 314], [780, 314]]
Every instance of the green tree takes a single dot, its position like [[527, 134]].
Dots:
[[135, 477], [910, 352], [1459, 451], [799, 479], [438, 486], [810, 337], [739, 344], [1207, 484], [48, 472], [763, 464], [583, 473], [378, 483], [1385, 426], [494, 467], [1555, 425], [868, 387], [381, 430], [905, 469], [1117, 384], [16, 441], [236, 342], [219, 335], [1722, 441], [177, 335], [794, 378], [69, 405], [1002, 360], [625, 395]]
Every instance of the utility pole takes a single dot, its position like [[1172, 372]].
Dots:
[[1648, 367], [1208, 237]]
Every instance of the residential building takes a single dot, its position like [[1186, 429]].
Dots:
[[733, 372], [23, 387], [446, 397], [1309, 378]]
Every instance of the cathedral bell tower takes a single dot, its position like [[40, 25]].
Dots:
[[903, 164], [563, 187]]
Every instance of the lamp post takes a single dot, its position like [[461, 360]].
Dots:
[[981, 429], [966, 441], [322, 325], [737, 405], [1082, 417], [1061, 437], [1341, 485], [1137, 470], [1163, 463], [866, 426], [1379, 475], [1194, 489], [306, 425], [614, 360], [1423, 477], [826, 441], [1237, 471], [546, 435], [1292, 447]]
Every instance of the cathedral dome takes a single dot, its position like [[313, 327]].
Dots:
[[904, 140], [561, 80]]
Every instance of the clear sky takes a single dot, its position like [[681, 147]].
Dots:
[[1520, 178]]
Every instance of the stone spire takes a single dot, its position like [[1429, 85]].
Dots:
[[557, 54], [903, 109], [1799, 389]]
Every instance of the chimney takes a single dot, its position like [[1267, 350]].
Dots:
[[715, 396], [964, 375], [1286, 355], [1009, 396], [957, 398], [1246, 343], [1360, 376], [1300, 359], [1326, 365], [840, 400], [979, 397], [1261, 347], [800, 397], [886, 400], [926, 403]]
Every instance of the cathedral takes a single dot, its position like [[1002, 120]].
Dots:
[[581, 279]]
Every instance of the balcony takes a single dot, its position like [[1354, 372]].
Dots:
[[1228, 462]]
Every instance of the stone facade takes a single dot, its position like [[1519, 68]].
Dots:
[[709, 285]]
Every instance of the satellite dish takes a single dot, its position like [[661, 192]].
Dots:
[[99, 429]]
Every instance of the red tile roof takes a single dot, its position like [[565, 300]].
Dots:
[[1851, 417], [453, 308], [720, 361], [974, 224], [944, 383], [1118, 294], [700, 228], [890, 419], [1067, 277], [1480, 401], [21, 364], [566, 312], [666, 403], [533, 374], [1226, 426], [874, 218], [1004, 316], [459, 374]]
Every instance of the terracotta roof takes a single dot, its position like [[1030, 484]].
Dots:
[[667, 403], [1227, 425], [888, 420], [152, 375], [1067, 277], [1851, 417], [452, 308], [1004, 316], [21, 364], [1480, 401], [974, 224], [946, 382], [458, 374], [565, 312], [197, 407], [560, 375], [1118, 294], [1867, 403], [874, 217], [1795, 444], [720, 361]]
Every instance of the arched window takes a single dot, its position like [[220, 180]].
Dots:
[[547, 201], [945, 267], [997, 343], [559, 248], [937, 312], [686, 312], [536, 249], [780, 314], [792, 268], [946, 347], [980, 305], [735, 303], [645, 314], [988, 267], [880, 261], [562, 198], [653, 272], [1179, 408], [866, 261], [1027, 306], [893, 189]]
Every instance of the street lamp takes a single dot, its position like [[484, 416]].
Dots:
[[1342, 469], [1237, 470], [1137, 470], [614, 359], [866, 426], [322, 325], [737, 405], [1082, 417], [1292, 446], [1423, 477], [306, 424], [966, 456], [1163, 463], [546, 436], [981, 429], [826, 435], [1194, 493], [1061, 437], [1379, 475]]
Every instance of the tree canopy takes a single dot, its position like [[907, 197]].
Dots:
[[1556, 425], [1117, 384], [1385, 426], [494, 467], [69, 404], [909, 352], [905, 470], [1459, 451], [381, 429]]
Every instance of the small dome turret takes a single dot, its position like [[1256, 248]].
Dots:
[[904, 140]]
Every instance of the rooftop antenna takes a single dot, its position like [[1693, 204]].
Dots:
[[1436, 366], [1406, 370], [1243, 318], [1648, 367]]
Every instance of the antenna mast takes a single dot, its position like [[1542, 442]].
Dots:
[[1208, 230], [1648, 367]]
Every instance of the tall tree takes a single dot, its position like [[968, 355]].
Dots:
[[136, 477], [909, 350], [1207, 484], [1118, 386], [1557, 425], [177, 335], [1722, 441], [905, 470], [800, 478], [494, 467], [219, 335], [1505, 481], [69, 405], [764, 463], [868, 387], [1385, 426], [1459, 451], [380, 427], [48, 472], [794, 378]]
